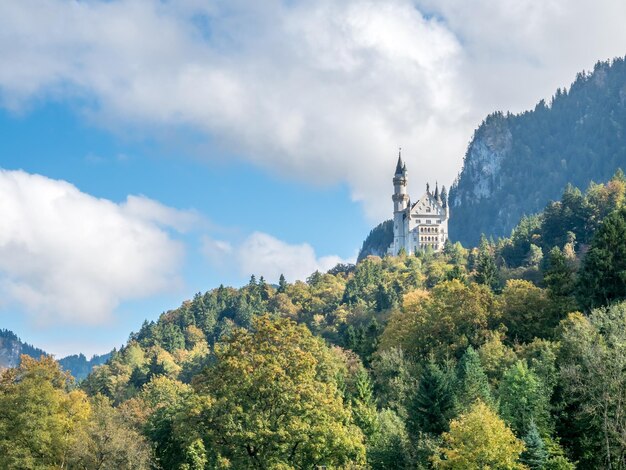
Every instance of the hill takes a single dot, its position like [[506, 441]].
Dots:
[[391, 363], [79, 366], [12, 347], [377, 241], [516, 163]]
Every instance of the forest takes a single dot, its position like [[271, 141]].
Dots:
[[507, 355]]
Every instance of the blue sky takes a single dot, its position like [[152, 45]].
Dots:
[[152, 149]]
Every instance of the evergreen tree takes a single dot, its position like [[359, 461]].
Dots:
[[282, 284], [535, 455], [524, 399], [561, 283], [603, 274], [486, 270], [473, 383], [363, 404], [433, 404]]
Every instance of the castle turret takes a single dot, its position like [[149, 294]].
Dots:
[[400, 205]]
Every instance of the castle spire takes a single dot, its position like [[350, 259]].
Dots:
[[436, 190], [400, 166]]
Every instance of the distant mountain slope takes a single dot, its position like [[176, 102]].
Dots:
[[12, 347], [79, 366], [515, 164], [377, 241]]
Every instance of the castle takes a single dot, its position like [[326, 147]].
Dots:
[[420, 225]]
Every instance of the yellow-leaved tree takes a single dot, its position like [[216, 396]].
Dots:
[[271, 400], [479, 439], [40, 418]]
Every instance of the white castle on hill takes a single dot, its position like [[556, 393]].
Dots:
[[420, 225]]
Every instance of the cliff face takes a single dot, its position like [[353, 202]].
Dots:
[[490, 146], [11, 348], [516, 164]]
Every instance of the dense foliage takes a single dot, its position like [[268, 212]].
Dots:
[[508, 355], [516, 163]]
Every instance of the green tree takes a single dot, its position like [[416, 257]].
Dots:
[[443, 322], [602, 277], [40, 419], [393, 380], [167, 403], [592, 360], [282, 284], [473, 383], [560, 281], [109, 442], [478, 440], [526, 311], [389, 447], [486, 269], [535, 455], [363, 404], [523, 400], [271, 400], [433, 404]]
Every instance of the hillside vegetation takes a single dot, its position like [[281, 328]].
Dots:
[[507, 355], [516, 163]]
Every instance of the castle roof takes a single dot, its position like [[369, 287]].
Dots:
[[400, 167]]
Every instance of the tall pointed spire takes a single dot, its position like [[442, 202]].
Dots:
[[436, 190], [400, 166]]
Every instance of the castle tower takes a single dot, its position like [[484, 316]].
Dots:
[[400, 204]]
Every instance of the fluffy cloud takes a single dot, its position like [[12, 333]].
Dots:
[[68, 257], [264, 255], [323, 91]]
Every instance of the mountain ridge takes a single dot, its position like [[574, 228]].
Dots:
[[517, 163]]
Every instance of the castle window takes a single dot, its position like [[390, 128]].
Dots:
[[428, 209], [428, 221]]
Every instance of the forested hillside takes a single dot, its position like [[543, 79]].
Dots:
[[377, 241], [509, 355], [516, 163], [12, 348]]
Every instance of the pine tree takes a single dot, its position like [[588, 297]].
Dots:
[[433, 404], [486, 270], [602, 277], [535, 455], [363, 405], [282, 284], [561, 283], [473, 383]]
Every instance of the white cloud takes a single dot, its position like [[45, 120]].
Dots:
[[68, 257], [323, 91], [264, 255]]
